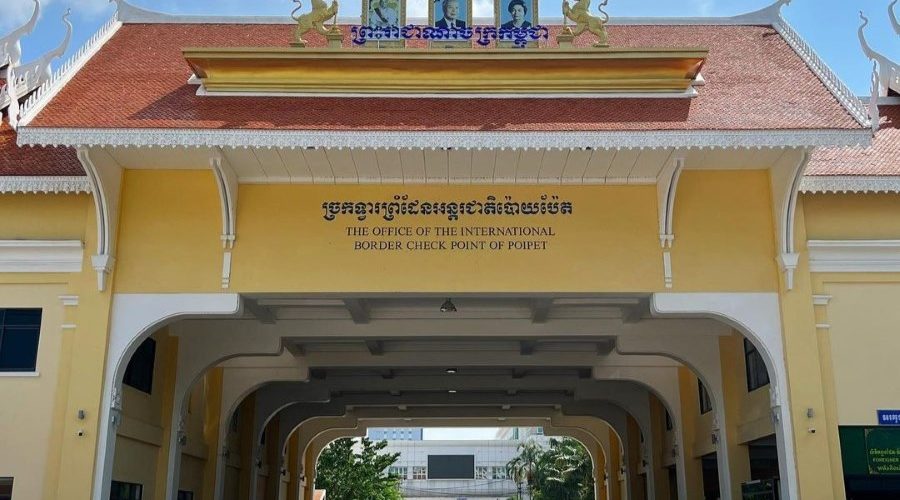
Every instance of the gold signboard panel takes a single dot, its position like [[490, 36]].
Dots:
[[499, 71]]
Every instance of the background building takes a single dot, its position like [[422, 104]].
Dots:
[[395, 434], [455, 469]]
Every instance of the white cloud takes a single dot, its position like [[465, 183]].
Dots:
[[416, 8], [88, 8], [15, 14], [483, 8], [703, 7]]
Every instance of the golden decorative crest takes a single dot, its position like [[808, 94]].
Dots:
[[580, 15], [314, 19]]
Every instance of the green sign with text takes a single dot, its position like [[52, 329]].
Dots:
[[883, 451]]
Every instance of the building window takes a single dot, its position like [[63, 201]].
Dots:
[[125, 491], [185, 495], [705, 402], [669, 425], [139, 373], [20, 330], [482, 472], [420, 472], [757, 376], [498, 472], [6, 488], [399, 472]]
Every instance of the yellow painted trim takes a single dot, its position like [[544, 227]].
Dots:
[[505, 71]]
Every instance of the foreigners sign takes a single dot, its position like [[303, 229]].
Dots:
[[883, 450], [888, 417]]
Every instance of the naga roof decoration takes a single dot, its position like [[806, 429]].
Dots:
[[10, 45], [888, 70]]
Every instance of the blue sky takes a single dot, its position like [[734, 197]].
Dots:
[[828, 25]]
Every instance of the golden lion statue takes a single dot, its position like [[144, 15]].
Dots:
[[314, 20], [583, 20]]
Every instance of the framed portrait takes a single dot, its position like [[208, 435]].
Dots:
[[384, 14], [516, 13], [450, 13]]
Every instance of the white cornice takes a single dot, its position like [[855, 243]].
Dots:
[[78, 137], [41, 256], [44, 185], [850, 184], [854, 256]]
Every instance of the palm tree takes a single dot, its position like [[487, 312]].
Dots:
[[523, 467], [566, 471]]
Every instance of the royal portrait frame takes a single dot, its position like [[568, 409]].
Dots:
[[470, 6], [401, 21], [501, 7]]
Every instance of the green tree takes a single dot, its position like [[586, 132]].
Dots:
[[565, 472], [348, 474], [523, 467]]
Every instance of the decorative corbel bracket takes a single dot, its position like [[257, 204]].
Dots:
[[105, 178], [227, 184], [785, 177], [666, 186], [115, 407]]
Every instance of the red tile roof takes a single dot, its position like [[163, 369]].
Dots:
[[755, 81], [37, 161], [882, 158]]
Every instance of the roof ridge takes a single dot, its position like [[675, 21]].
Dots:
[[128, 13], [66, 71], [847, 98]]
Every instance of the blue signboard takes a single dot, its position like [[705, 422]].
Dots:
[[888, 417]]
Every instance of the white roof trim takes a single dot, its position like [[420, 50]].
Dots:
[[850, 184], [140, 137], [44, 185], [832, 81]]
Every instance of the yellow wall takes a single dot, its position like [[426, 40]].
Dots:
[[864, 319], [169, 240], [861, 317], [855, 328], [144, 431], [27, 403], [851, 216], [44, 217]]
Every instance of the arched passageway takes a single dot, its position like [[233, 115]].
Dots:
[[293, 366]]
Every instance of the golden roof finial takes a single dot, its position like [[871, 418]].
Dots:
[[314, 19], [580, 15]]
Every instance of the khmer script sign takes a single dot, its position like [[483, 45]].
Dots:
[[483, 35]]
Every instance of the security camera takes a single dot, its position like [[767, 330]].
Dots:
[[811, 430]]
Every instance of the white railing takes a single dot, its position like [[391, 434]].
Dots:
[[834, 84], [64, 73]]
